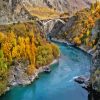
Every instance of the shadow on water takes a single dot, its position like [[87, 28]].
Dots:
[[93, 95]]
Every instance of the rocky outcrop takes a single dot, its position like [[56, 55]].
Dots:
[[52, 27], [19, 76]]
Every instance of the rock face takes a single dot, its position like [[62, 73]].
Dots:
[[95, 73], [96, 63], [52, 27], [12, 11], [68, 26], [19, 76]]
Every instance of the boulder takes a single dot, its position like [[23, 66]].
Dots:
[[81, 79]]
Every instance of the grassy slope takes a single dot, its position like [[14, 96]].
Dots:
[[42, 13]]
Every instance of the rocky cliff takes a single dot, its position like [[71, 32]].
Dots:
[[95, 74], [96, 63]]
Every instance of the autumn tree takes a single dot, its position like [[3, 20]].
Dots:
[[3, 72], [55, 50], [77, 40], [44, 55]]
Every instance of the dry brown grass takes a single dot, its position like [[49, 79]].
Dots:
[[41, 12], [44, 13]]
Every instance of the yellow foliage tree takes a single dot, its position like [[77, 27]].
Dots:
[[77, 40], [1, 37], [31, 69]]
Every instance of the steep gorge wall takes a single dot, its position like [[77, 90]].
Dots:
[[96, 63], [95, 68]]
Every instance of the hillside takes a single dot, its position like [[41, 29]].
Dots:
[[69, 6], [23, 10], [42, 13], [79, 29], [24, 53]]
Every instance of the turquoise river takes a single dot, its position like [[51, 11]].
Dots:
[[59, 84]]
